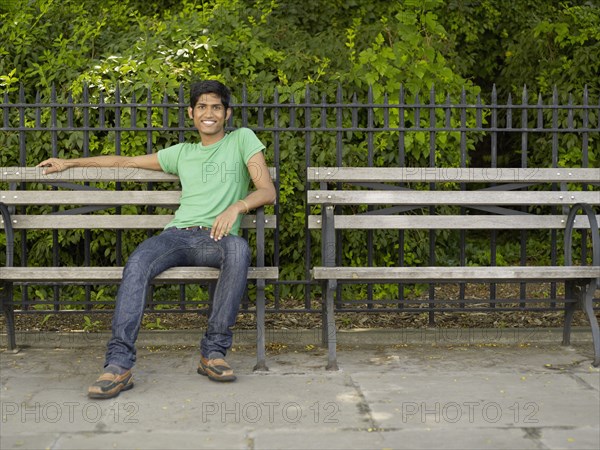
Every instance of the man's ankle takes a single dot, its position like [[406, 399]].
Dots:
[[113, 368], [216, 355]]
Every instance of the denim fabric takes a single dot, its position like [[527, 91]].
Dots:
[[177, 247]]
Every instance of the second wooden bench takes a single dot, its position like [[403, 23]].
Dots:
[[485, 199]]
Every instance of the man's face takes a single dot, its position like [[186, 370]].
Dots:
[[209, 116]]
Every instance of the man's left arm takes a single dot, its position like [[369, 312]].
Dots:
[[264, 194]]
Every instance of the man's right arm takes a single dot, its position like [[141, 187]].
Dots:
[[150, 162]]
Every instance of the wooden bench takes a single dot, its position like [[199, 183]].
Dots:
[[456, 199], [77, 203]]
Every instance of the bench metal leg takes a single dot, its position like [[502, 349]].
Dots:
[[8, 310], [324, 331], [587, 297], [330, 326], [260, 327], [9, 315], [570, 308]]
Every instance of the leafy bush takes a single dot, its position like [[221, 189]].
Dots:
[[346, 51]]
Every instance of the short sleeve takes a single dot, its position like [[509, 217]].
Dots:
[[169, 157], [250, 145]]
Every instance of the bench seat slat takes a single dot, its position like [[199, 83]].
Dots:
[[114, 274], [457, 274], [121, 222], [445, 175], [457, 198], [450, 222]]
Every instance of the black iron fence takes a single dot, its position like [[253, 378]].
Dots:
[[435, 129]]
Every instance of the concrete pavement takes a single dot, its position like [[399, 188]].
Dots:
[[469, 389]]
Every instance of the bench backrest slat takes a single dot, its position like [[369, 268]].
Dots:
[[90, 174], [445, 175], [112, 221], [451, 222], [87, 197], [432, 198]]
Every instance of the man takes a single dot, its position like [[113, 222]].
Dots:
[[215, 176]]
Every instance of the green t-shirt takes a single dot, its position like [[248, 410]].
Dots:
[[212, 177]]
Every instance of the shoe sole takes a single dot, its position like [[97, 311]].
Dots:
[[221, 379], [113, 392]]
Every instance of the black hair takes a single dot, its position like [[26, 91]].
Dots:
[[209, 87]]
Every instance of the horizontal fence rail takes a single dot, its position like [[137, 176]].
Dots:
[[461, 132]]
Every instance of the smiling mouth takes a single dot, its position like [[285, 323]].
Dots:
[[209, 122]]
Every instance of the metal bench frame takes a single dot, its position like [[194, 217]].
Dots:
[[502, 192], [88, 200]]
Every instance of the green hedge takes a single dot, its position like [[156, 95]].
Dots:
[[51, 49]]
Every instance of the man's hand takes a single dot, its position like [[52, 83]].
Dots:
[[224, 221], [52, 165]]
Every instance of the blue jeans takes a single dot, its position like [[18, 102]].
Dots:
[[177, 247]]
